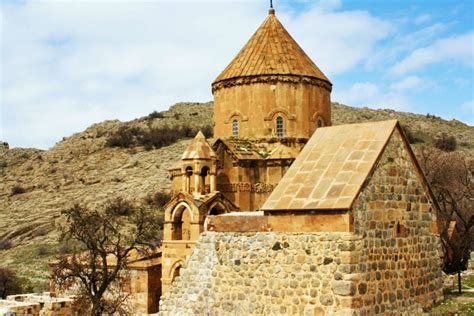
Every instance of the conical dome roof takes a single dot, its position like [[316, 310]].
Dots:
[[199, 149], [271, 51]]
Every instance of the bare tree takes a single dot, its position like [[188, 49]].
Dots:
[[9, 283], [108, 240], [451, 179]]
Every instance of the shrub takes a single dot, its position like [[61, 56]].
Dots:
[[119, 207], [153, 137], [411, 138], [124, 137], [208, 131], [158, 137], [187, 131], [446, 143], [40, 231], [155, 115], [17, 189], [159, 199], [9, 283], [65, 248], [42, 250], [5, 244]]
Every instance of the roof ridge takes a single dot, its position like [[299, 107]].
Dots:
[[199, 149]]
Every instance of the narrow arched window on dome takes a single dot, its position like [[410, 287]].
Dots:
[[280, 127], [235, 128], [320, 122]]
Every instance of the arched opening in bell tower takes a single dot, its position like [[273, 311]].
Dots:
[[204, 183], [188, 175]]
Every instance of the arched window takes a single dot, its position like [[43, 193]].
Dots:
[[235, 128], [280, 128], [320, 122]]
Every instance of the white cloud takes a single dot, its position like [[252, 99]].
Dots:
[[403, 42], [67, 65], [468, 107], [458, 49], [338, 41], [395, 95], [359, 93], [408, 83], [463, 82], [422, 19]]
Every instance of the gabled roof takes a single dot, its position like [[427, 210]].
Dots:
[[271, 51], [245, 149], [201, 201], [284, 152], [241, 149], [199, 149], [331, 168]]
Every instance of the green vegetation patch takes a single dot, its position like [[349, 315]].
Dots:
[[455, 305]]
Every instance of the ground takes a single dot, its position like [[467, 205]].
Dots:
[[454, 303]]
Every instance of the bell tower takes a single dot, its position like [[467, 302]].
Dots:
[[271, 89], [198, 167]]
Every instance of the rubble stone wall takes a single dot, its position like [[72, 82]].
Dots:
[[400, 258], [266, 273], [36, 304]]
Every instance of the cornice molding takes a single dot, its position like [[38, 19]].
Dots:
[[270, 79]]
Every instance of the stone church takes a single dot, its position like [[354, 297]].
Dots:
[[286, 214], [267, 103]]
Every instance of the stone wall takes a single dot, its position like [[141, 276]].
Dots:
[[400, 257], [36, 304], [266, 273], [144, 289]]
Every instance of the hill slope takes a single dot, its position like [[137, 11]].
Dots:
[[82, 169]]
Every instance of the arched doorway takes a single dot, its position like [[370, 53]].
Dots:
[[181, 221]]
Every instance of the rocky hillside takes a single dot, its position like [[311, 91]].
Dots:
[[35, 185]]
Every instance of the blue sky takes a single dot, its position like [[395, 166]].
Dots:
[[68, 64]]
